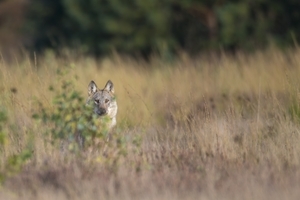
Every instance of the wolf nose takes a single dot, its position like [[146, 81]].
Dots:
[[101, 111]]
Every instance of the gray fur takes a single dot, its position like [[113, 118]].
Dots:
[[104, 101]]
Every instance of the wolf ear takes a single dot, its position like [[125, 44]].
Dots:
[[109, 86], [92, 88]]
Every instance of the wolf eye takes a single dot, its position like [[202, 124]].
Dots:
[[96, 101], [106, 100]]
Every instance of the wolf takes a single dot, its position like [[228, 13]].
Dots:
[[104, 104], [104, 101]]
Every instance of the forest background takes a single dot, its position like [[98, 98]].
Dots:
[[143, 27]]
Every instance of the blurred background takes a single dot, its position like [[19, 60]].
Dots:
[[146, 27]]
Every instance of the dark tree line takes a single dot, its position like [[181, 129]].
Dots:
[[163, 26]]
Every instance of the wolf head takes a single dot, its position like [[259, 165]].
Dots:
[[104, 100]]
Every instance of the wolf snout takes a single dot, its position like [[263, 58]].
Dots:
[[101, 111]]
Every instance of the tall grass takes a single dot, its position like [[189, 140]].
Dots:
[[212, 127]]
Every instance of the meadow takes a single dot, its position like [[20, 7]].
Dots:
[[209, 127]]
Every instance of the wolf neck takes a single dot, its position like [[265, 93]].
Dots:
[[113, 122], [112, 115]]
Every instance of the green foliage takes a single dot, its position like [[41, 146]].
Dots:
[[70, 119], [162, 26], [102, 26], [13, 163], [294, 111], [3, 121]]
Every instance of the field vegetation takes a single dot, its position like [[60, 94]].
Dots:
[[208, 127]]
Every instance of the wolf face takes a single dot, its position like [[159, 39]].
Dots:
[[104, 101]]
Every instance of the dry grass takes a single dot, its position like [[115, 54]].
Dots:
[[212, 128]]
